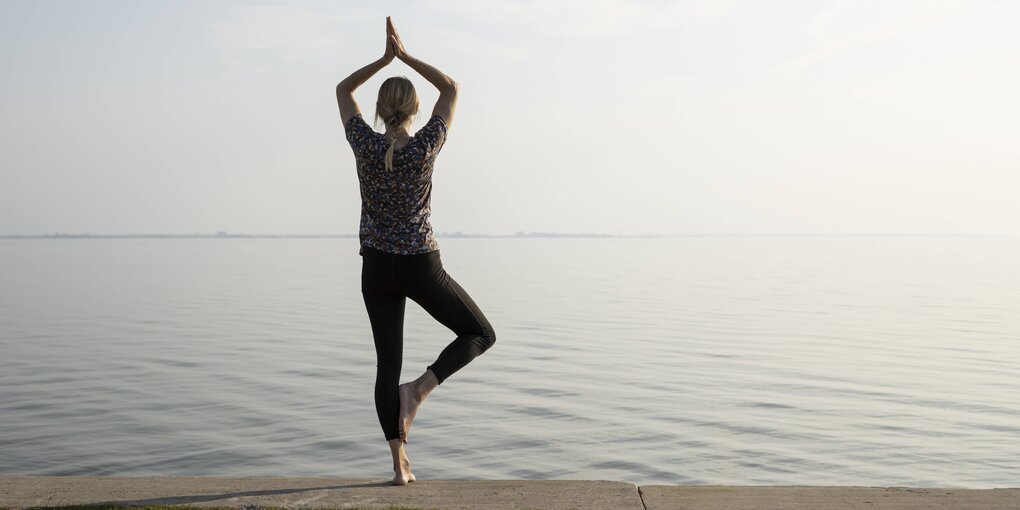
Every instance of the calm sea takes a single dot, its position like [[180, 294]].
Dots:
[[872, 361]]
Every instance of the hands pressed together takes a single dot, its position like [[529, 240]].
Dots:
[[394, 47]]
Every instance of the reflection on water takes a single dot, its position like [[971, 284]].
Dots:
[[797, 361]]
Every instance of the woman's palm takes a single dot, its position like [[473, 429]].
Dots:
[[394, 38]]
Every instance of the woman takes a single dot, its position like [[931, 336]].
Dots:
[[400, 255]]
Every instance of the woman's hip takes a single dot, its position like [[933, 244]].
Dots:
[[381, 269]]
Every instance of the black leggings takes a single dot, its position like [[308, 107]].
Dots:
[[387, 280]]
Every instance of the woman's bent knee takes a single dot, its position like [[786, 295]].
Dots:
[[489, 336]]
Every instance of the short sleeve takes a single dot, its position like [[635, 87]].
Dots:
[[358, 133], [433, 134]]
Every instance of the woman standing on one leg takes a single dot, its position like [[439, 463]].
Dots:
[[400, 255]]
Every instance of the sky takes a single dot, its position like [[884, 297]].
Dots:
[[594, 116]]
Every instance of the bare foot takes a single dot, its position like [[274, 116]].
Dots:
[[403, 473], [400, 478], [406, 464], [410, 399]]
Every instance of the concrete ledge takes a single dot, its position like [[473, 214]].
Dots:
[[26, 491], [772, 497], [247, 492]]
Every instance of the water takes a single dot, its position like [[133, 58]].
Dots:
[[708, 360]]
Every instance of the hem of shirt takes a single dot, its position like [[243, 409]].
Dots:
[[361, 250]]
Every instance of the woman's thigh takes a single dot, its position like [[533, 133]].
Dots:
[[427, 283], [385, 308]]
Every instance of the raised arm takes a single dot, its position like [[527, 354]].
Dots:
[[447, 102], [345, 89]]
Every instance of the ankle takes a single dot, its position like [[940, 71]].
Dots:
[[429, 380], [426, 383]]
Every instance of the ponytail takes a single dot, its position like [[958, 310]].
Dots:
[[389, 153], [396, 107], [394, 123]]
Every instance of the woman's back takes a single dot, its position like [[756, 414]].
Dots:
[[396, 202]]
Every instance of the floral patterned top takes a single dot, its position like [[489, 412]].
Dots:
[[396, 205]]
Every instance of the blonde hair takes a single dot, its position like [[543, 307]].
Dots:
[[397, 106]]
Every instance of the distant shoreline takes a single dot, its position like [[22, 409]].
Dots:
[[226, 235]]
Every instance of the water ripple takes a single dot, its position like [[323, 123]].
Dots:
[[819, 361]]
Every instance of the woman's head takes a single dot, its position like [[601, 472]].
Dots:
[[396, 107]]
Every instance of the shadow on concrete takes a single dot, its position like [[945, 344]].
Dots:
[[203, 498]]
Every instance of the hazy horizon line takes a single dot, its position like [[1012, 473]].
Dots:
[[518, 234]]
